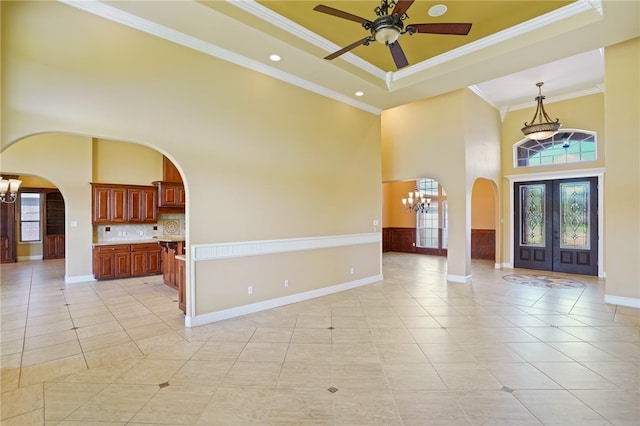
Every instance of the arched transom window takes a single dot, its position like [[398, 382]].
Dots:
[[567, 146]]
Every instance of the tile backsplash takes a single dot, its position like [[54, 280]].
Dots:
[[169, 225]]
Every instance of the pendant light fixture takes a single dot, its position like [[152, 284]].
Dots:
[[545, 127]]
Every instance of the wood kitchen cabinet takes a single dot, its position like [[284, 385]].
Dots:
[[180, 275], [145, 259], [114, 204], [7, 233], [142, 205], [54, 226], [112, 261], [170, 194], [126, 260], [169, 251]]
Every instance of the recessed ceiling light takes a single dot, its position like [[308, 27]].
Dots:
[[275, 58], [437, 10], [359, 93]]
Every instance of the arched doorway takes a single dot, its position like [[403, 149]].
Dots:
[[484, 220]]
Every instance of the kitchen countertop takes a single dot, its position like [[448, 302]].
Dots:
[[145, 241]]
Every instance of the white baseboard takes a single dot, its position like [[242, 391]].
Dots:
[[465, 279], [274, 303], [497, 266], [74, 279], [622, 301]]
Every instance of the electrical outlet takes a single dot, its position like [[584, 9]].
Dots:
[[352, 270], [286, 283], [250, 289]]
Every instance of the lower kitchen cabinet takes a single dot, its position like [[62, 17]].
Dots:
[[145, 259], [126, 260], [181, 283], [112, 261]]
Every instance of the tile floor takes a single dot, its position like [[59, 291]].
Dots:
[[410, 350]]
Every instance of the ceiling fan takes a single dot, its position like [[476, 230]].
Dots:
[[388, 27]]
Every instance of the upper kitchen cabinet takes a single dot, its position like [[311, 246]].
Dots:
[[169, 172], [113, 204], [171, 195], [142, 204]]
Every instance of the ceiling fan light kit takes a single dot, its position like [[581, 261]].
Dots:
[[545, 127], [388, 27]]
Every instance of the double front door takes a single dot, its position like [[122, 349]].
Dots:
[[556, 225]]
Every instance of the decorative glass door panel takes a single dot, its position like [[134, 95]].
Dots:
[[556, 225], [574, 218], [532, 215]]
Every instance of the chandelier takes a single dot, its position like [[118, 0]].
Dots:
[[416, 202], [11, 186], [543, 129]]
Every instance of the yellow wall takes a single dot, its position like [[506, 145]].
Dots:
[[584, 113], [394, 216], [261, 159], [65, 161], [125, 163], [483, 211], [622, 179], [453, 138]]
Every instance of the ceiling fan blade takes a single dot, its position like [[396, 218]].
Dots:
[[348, 48], [341, 14], [451, 28], [398, 55], [402, 6]]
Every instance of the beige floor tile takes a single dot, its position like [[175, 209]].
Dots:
[[175, 405], [50, 353], [495, 408], [558, 407], [421, 408], [301, 406], [413, 377], [112, 354], [150, 372], [619, 407], [32, 418], [359, 377], [366, 408], [115, 403], [272, 335], [22, 400], [202, 373], [538, 352], [309, 352], [62, 399], [99, 329], [213, 351], [466, 376], [571, 375], [104, 374], [9, 379], [296, 375], [520, 375], [271, 352], [237, 406], [49, 370], [353, 353], [401, 352], [350, 335], [50, 339], [446, 353], [253, 375], [104, 340]]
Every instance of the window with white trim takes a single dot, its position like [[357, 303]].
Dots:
[[30, 216], [566, 146]]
